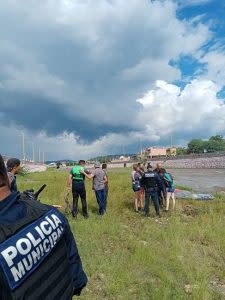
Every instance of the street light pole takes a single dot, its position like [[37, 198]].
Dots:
[[23, 147], [33, 153]]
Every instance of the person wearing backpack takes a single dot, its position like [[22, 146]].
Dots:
[[170, 190]]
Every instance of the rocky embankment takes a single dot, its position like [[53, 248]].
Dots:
[[196, 163]]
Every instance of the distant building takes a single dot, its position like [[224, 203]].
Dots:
[[159, 151], [154, 151], [172, 151], [121, 159]]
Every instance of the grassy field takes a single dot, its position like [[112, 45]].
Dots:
[[127, 256]]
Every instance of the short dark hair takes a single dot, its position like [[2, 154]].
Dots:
[[4, 181], [104, 166], [11, 163], [82, 161]]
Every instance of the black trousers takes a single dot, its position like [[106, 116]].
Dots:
[[162, 194], [154, 196], [78, 190]]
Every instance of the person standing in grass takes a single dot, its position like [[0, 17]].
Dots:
[[77, 180], [99, 181], [136, 177], [162, 191], [151, 183], [170, 190], [104, 168], [13, 168]]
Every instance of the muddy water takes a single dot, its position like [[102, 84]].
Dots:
[[201, 180]]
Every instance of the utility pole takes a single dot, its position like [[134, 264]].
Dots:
[[23, 147], [171, 141], [33, 150]]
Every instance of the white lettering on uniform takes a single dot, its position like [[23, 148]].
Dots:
[[45, 229], [36, 254], [56, 220], [34, 241], [18, 272], [23, 250], [27, 265], [47, 249], [9, 254], [59, 232], [54, 237], [40, 232], [50, 221]]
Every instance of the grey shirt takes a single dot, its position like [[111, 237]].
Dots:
[[98, 180]]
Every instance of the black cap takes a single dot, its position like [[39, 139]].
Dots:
[[11, 163]]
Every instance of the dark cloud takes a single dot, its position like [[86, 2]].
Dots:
[[79, 66]]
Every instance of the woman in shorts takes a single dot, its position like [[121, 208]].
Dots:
[[136, 177], [170, 190]]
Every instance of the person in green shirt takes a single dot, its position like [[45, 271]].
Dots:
[[77, 180]]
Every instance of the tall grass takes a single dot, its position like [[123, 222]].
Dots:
[[127, 256]]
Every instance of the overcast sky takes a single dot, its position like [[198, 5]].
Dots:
[[86, 78]]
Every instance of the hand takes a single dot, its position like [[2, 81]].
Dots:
[[82, 172]]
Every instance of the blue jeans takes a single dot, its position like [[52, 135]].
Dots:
[[106, 195], [155, 199], [101, 199]]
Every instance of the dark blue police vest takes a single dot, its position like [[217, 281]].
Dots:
[[34, 262]]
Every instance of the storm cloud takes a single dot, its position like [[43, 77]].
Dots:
[[74, 69]]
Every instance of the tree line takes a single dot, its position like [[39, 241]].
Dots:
[[215, 143]]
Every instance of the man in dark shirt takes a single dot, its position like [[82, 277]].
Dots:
[[162, 191], [38, 254], [151, 183], [77, 181], [13, 168]]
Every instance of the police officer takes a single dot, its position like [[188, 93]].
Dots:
[[151, 183], [38, 254], [78, 188]]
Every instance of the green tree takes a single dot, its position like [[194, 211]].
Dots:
[[182, 151], [215, 143], [196, 146], [217, 138]]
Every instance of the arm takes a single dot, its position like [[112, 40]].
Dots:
[[142, 181], [69, 181], [105, 179], [89, 176], [159, 181]]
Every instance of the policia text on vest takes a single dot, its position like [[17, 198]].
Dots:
[[21, 254], [39, 258]]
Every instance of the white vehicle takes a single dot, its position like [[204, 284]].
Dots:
[[52, 165]]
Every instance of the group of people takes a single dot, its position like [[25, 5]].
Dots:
[[156, 184], [39, 258], [100, 186]]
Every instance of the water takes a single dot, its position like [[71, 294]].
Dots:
[[200, 180]]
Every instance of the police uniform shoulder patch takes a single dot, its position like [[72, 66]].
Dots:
[[22, 253]]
